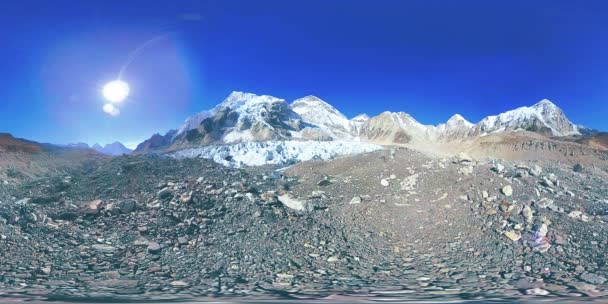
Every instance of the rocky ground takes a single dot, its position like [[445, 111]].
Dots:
[[392, 224]]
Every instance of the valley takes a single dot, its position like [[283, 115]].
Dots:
[[258, 198]]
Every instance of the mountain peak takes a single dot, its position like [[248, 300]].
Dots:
[[311, 98], [360, 117], [317, 112], [544, 103], [543, 117], [238, 99], [311, 101], [457, 119], [238, 94], [115, 148]]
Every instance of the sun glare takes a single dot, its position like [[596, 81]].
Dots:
[[116, 91]]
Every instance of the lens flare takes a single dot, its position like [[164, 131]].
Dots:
[[116, 91], [111, 110]]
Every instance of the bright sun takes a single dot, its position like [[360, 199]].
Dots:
[[116, 91]]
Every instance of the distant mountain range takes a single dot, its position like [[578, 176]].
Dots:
[[21, 158], [116, 148], [246, 117], [249, 129]]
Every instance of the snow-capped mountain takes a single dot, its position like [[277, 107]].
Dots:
[[245, 117], [455, 128], [242, 117], [318, 113], [543, 117], [115, 148]]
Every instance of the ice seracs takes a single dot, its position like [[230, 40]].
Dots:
[[275, 152]]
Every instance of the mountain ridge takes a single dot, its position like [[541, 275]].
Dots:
[[244, 117], [116, 148]]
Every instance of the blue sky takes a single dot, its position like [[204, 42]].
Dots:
[[428, 58]]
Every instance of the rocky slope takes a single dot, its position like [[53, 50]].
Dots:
[[156, 143], [22, 159], [598, 140], [389, 224]]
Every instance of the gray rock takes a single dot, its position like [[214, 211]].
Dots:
[[498, 168], [545, 203], [333, 259], [179, 283], [164, 193], [295, 204], [355, 200], [463, 158], [127, 206], [537, 292], [324, 182], [103, 248], [507, 190], [466, 170], [45, 270], [536, 170], [93, 207], [186, 197], [24, 201], [154, 247], [592, 278], [527, 212], [485, 194], [182, 240]]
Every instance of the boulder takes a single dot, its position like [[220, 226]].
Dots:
[[295, 204], [93, 207], [507, 190]]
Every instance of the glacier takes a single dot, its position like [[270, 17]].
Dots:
[[275, 152]]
